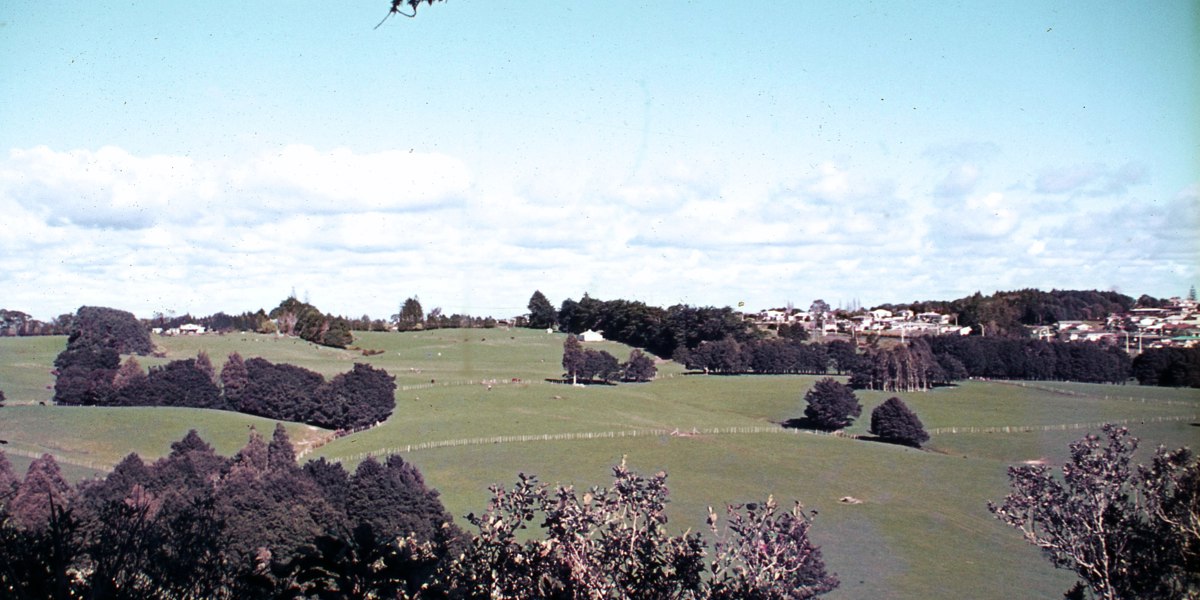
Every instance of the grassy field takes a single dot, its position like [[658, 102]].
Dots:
[[922, 530]]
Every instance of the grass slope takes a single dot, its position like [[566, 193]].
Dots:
[[922, 531]]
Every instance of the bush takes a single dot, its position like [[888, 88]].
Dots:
[[99, 327], [1126, 532], [831, 405], [893, 422], [614, 543]]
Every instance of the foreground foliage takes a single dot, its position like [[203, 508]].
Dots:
[[198, 525], [613, 543], [1127, 532], [255, 525]]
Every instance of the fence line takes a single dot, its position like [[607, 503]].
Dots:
[[754, 429], [641, 433], [1066, 392], [590, 435], [97, 466], [1059, 427], [468, 382]]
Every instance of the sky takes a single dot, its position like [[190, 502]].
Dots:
[[220, 156]]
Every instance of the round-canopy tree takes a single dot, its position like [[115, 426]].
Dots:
[[894, 422], [831, 405]]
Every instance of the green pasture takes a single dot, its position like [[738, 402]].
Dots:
[[25, 365], [922, 529]]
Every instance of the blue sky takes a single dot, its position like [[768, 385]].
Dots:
[[159, 156]]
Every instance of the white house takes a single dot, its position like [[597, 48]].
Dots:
[[591, 336], [191, 329]]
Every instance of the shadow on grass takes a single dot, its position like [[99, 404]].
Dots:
[[580, 382], [889, 441], [804, 423]]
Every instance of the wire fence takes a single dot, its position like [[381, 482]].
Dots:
[[698, 431], [662, 433], [590, 435], [1078, 394], [106, 467], [1059, 427]]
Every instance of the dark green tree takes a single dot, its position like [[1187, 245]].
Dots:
[[599, 364], [831, 405], [234, 379], [281, 455], [639, 367], [100, 327], [41, 493], [541, 313], [574, 359], [894, 422], [411, 315]]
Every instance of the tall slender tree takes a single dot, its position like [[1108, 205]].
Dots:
[[542, 314]]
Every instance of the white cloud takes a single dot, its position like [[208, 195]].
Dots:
[[1094, 179], [306, 179], [360, 232], [959, 181]]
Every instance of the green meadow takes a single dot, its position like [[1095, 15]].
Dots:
[[473, 408]]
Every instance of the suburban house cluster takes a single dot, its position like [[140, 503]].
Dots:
[[185, 329], [880, 321]]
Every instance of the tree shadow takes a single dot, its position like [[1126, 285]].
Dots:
[[580, 382], [804, 423], [888, 441]]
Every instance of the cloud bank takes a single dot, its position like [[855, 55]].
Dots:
[[359, 232]]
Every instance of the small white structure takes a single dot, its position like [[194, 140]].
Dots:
[[191, 329], [591, 336]]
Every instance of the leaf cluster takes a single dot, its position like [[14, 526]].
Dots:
[[1126, 532]]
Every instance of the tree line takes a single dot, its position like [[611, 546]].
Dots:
[[661, 331], [591, 365], [1169, 367], [89, 373], [1030, 359], [195, 524]]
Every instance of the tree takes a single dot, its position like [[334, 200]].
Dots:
[[100, 327], [234, 379], [573, 357], [410, 316], [767, 554], [279, 391], [615, 543], [894, 422], [819, 311], [831, 405], [204, 363], [281, 455], [130, 373], [599, 364], [1126, 533], [639, 367], [542, 314], [41, 493], [359, 397]]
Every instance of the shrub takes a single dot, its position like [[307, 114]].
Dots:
[[831, 405], [894, 422]]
